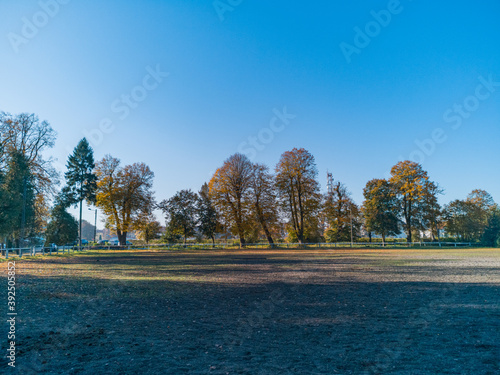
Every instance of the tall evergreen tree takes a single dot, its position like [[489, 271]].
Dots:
[[80, 178], [19, 203]]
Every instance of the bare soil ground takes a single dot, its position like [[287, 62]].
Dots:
[[259, 312]]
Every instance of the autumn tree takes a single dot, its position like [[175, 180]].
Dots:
[[81, 179], [208, 222], [124, 194], [263, 198], [298, 190], [380, 208], [341, 213], [230, 193], [410, 185], [181, 212]]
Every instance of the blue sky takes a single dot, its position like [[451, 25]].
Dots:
[[230, 71]]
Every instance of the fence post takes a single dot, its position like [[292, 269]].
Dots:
[[20, 253], [6, 253]]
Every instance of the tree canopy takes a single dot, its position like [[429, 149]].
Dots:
[[380, 208], [230, 193], [298, 190], [124, 194], [181, 212]]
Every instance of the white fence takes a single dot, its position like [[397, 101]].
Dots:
[[32, 251]]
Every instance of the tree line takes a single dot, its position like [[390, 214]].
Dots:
[[246, 200]]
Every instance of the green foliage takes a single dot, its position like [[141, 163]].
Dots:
[[312, 233], [491, 234], [172, 234], [181, 213], [340, 213], [80, 177], [380, 208], [62, 228], [148, 229], [468, 219], [4, 205], [207, 215], [18, 207]]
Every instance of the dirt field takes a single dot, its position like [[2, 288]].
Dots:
[[259, 312]]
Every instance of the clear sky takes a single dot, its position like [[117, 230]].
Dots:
[[360, 84]]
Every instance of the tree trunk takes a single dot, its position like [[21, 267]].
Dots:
[[383, 239], [370, 237], [80, 231], [242, 240], [122, 237], [407, 215], [268, 235], [264, 225], [213, 240]]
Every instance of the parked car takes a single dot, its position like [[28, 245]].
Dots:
[[116, 243], [102, 242]]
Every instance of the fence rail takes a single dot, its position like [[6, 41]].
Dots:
[[32, 251], [284, 245]]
